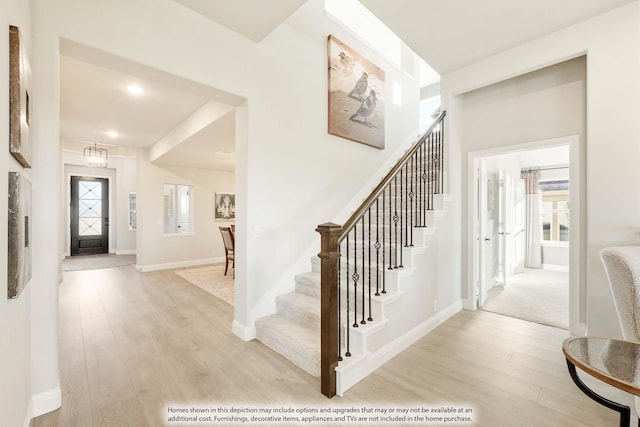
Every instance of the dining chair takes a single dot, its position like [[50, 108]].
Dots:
[[229, 249]]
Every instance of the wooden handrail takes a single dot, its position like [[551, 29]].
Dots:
[[366, 204]]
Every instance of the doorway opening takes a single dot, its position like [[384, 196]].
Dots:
[[525, 229]]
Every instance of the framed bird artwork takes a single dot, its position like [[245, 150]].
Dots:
[[356, 95]]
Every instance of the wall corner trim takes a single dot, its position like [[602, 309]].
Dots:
[[28, 415], [45, 402], [245, 333]]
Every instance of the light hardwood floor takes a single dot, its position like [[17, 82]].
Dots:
[[132, 343]]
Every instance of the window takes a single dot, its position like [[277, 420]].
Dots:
[[554, 211], [178, 209], [132, 212]]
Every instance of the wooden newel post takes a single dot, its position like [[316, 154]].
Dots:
[[329, 260]]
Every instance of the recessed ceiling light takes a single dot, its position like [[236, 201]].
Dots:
[[135, 90], [112, 133]]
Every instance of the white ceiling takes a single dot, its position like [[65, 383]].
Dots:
[[94, 100], [253, 19], [449, 34]]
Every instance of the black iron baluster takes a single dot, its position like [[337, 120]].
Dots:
[[390, 227], [423, 185], [369, 242], [436, 167], [434, 162], [430, 171], [384, 234], [377, 246], [442, 156], [400, 246], [363, 278], [355, 278], [418, 166], [406, 204], [339, 306], [347, 332], [395, 220], [413, 194], [427, 177]]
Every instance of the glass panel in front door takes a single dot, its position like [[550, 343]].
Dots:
[[90, 208]]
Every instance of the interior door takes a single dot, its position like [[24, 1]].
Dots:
[[481, 250], [89, 215], [511, 224], [504, 225], [517, 263]]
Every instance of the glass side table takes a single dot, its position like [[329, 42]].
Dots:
[[612, 361]]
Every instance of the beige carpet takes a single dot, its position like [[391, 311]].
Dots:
[[94, 262], [212, 279], [536, 295]]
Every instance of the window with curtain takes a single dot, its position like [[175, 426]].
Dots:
[[554, 211]]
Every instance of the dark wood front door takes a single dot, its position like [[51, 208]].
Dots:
[[89, 215]]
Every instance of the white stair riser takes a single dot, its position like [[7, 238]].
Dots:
[[299, 314]]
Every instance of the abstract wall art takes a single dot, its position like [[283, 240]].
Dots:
[[19, 101], [19, 248]]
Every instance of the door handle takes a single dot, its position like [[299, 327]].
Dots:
[[486, 239], [502, 233]]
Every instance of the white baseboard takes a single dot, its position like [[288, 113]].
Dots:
[[45, 402], [350, 375], [553, 267], [126, 252], [246, 333], [179, 264]]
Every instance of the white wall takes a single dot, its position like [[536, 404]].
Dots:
[[612, 44], [291, 162], [294, 163], [15, 323], [204, 244], [122, 175]]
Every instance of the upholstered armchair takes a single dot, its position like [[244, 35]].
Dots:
[[622, 265]]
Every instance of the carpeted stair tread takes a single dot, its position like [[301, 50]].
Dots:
[[299, 308], [301, 345]]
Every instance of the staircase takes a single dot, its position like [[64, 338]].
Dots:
[[294, 330], [378, 286]]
